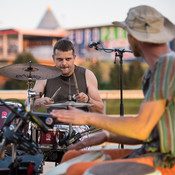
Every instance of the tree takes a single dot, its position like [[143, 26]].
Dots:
[[95, 67], [131, 78], [21, 58], [134, 76], [114, 76]]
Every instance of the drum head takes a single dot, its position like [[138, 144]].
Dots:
[[122, 168], [61, 169]]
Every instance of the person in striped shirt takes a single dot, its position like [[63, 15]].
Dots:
[[149, 33]]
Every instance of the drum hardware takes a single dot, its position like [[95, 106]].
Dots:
[[30, 72], [26, 164], [69, 103], [16, 135], [17, 138], [66, 141], [48, 119], [49, 144], [4, 111]]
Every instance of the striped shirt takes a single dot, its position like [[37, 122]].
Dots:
[[162, 86]]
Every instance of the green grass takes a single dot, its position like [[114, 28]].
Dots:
[[131, 106]]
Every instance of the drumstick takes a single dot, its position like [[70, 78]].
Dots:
[[54, 95], [76, 84]]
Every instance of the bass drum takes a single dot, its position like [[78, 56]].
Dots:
[[5, 111]]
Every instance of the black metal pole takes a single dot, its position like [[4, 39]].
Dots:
[[121, 87], [118, 52]]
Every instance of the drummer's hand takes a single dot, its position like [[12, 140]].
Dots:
[[45, 101], [82, 97], [73, 115]]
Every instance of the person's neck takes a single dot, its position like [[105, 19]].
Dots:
[[152, 53]]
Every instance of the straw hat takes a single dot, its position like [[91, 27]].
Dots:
[[148, 25]]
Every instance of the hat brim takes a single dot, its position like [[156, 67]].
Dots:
[[168, 34]]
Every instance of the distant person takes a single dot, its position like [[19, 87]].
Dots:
[[148, 34]]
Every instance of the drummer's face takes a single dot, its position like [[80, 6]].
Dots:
[[64, 61]]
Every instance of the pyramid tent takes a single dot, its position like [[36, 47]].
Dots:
[[48, 21]]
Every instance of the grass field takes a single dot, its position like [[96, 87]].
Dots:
[[131, 106]]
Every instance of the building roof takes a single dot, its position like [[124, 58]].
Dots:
[[60, 32], [48, 21]]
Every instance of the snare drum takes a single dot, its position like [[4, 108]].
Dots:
[[4, 111]]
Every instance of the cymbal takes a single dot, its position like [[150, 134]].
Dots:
[[69, 103], [26, 71]]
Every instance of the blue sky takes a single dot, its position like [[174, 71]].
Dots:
[[74, 13]]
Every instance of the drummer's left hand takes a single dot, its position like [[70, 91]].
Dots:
[[73, 115], [82, 97]]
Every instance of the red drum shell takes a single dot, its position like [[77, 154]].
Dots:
[[4, 112], [50, 138]]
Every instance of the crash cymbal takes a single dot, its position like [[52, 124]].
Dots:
[[69, 103], [26, 71]]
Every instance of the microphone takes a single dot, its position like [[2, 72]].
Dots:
[[93, 44]]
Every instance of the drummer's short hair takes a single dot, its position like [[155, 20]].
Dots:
[[64, 45]]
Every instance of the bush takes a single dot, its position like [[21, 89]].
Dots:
[[132, 77], [21, 58]]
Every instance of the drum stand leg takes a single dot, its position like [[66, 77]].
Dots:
[[70, 129], [13, 153]]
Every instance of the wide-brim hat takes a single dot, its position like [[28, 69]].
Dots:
[[148, 25]]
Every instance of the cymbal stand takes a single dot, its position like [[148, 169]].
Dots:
[[70, 98], [31, 95]]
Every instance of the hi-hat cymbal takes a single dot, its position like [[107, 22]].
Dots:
[[69, 103], [26, 71]]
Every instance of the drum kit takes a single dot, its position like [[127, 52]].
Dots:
[[41, 137]]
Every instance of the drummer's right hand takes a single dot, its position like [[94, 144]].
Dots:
[[45, 101]]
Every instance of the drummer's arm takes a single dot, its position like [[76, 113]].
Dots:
[[94, 96]]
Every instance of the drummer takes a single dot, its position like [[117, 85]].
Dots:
[[67, 83]]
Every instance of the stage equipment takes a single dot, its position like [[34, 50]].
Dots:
[[93, 44], [16, 137], [69, 103], [29, 71]]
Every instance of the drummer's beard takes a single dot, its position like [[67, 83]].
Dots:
[[66, 71]]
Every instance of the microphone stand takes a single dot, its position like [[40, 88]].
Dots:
[[118, 53]]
